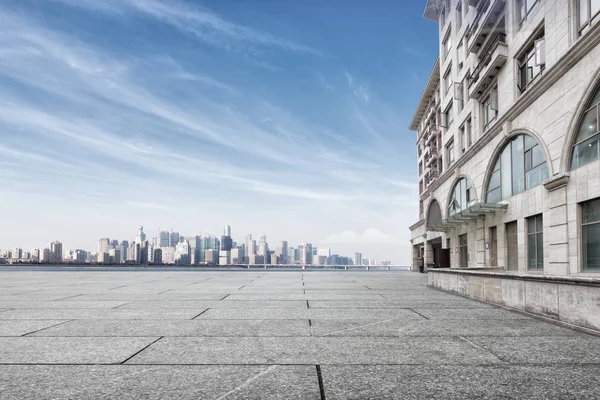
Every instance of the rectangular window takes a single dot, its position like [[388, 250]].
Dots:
[[589, 13], [469, 132], [448, 80], [448, 116], [535, 242], [460, 55], [532, 62], [458, 15], [590, 234], [524, 7], [463, 139], [464, 252], [442, 17], [447, 44], [490, 107], [450, 152]]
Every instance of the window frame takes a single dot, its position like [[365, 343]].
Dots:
[[590, 139], [535, 50], [591, 19], [449, 115], [447, 80], [538, 237], [488, 98], [447, 44], [524, 5], [459, 14], [582, 225], [450, 158]]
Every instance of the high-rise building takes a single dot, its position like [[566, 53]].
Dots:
[[44, 255], [227, 231], [251, 249], [114, 256], [248, 240], [211, 256], [307, 253], [163, 239], [225, 257], [56, 253], [358, 258], [104, 258], [158, 256], [140, 236], [284, 251], [238, 255], [226, 243], [103, 245], [173, 239], [182, 253]]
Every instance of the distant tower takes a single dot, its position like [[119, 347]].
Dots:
[[227, 231], [103, 245], [140, 237], [56, 253]]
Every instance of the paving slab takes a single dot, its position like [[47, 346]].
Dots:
[[61, 350], [166, 295], [250, 304], [324, 295], [312, 350], [579, 349], [197, 327], [476, 314], [398, 304], [60, 304], [268, 382], [312, 313], [23, 327], [459, 383], [115, 313]]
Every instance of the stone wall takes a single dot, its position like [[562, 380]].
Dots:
[[574, 300]]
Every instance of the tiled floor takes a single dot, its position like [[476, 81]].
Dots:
[[276, 335]]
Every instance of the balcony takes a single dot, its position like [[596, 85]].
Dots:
[[489, 65], [488, 13]]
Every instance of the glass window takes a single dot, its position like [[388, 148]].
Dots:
[[459, 14], [587, 146], [460, 55], [520, 166], [469, 132], [450, 152], [535, 242], [588, 11], [462, 197], [449, 116], [590, 212], [531, 63], [490, 107], [448, 80]]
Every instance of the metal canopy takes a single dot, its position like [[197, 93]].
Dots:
[[471, 213]]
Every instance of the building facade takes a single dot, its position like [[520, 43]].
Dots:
[[508, 138]]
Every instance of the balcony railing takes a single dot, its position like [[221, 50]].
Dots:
[[499, 39], [488, 14]]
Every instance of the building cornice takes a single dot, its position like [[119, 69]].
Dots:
[[557, 182], [429, 91], [416, 225], [552, 75]]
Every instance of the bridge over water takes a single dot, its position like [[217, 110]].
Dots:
[[276, 335]]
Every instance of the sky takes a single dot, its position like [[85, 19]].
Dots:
[[279, 117]]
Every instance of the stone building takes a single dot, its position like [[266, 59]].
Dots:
[[508, 138]]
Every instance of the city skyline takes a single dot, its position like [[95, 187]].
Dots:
[[111, 250], [126, 112]]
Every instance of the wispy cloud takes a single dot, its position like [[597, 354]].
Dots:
[[360, 91], [201, 23]]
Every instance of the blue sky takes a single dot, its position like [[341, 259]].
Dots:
[[285, 118]]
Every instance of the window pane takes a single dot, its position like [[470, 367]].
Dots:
[[583, 12], [493, 196], [595, 7], [591, 246], [506, 173], [536, 176], [528, 160], [586, 152], [596, 99], [518, 170], [531, 252], [537, 155], [529, 142], [540, 250], [531, 228], [589, 126], [494, 180], [590, 211]]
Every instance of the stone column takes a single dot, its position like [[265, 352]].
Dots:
[[428, 259], [556, 232]]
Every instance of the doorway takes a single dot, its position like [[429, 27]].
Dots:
[[512, 247]]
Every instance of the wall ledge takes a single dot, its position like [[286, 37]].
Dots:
[[494, 273]]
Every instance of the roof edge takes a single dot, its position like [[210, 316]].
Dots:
[[432, 83]]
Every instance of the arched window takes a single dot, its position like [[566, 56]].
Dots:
[[462, 197], [586, 148], [434, 216], [520, 166]]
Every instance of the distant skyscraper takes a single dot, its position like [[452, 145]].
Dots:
[[56, 253], [103, 245], [173, 239], [163, 239], [182, 253], [251, 250], [227, 231], [248, 240], [284, 252], [158, 256], [140, 237], [358, 258], [114, 244], [307, 253], [115, 256], [44, 255]]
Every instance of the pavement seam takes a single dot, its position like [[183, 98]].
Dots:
[[200, 313], [121, 305], [475, 345], [320, 379], [168, 290], [70, 297], [48, 327], [417, 313], [307, 305], [226, 296], [138, 352], [310, 327]]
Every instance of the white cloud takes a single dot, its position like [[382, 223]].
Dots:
[[369, 236]]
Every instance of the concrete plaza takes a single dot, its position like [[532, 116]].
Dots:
[[276, 335]]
